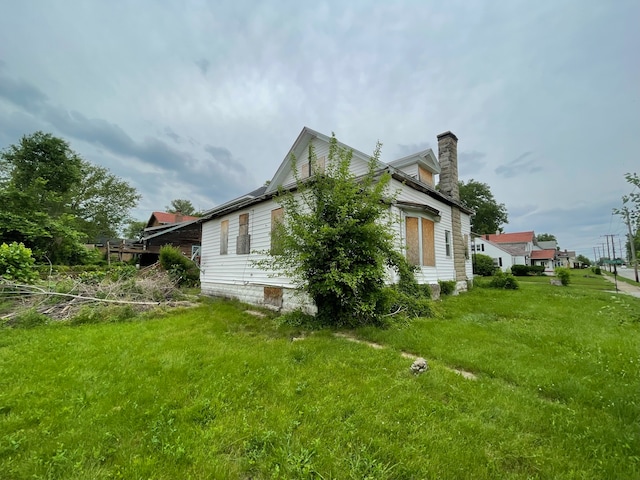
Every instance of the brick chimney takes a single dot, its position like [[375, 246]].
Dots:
[[448, 158]]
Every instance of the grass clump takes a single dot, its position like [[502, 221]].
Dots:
[[564, 275], [503, 280]]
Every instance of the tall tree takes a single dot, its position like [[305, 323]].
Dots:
[[490, 215], [53, 201], [333, 240], [134, 229], [546, 237], [102, 202], [630, 212], [180, 205]]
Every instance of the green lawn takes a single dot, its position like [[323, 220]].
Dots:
[[214, 392]]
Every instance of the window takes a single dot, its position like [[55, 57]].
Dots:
[[420, 234], [447, 242], [425, 176], [243, 241], [311, 167], [277, 216], [195, 254], [224, 237]]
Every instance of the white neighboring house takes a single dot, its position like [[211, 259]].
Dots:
[[503, 257], [432, 227]]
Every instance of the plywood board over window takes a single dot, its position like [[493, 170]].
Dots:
[[425, 176], [413, 240], [243, 241], [224, 237], [428, 243]]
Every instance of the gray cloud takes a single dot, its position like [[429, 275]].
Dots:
[[203, 64], [519, 166], [470, 163], [403, 150]]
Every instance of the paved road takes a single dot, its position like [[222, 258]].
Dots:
[[628, 273], [625, 287]]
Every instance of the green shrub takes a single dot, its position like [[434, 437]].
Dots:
[[503, 280], [181, 269], [447, 287], [523, 270], [596, 270], [564, 274], [29, 319], [17, 263], [483, 265], [411, 305]]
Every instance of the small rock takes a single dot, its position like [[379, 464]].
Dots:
[[419, 366], [556, 282]]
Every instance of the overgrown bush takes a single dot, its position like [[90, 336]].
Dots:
[[564, 274], [181, 269], [597, 270], [447, 287], [503, 280], [16, 263], [483, 265], [524, 270]]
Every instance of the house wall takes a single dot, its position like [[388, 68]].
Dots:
[[494, 252]]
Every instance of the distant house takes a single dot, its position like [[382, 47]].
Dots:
[[567, 259], [503, 256], [518, 244], [181, 231], [431, 226], [545, 258]]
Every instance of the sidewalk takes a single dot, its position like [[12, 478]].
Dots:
[[624, 287]]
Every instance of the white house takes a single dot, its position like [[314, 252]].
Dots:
[[503, 256], [431, 226]]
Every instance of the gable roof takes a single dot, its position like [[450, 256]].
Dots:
[[298, 149], [425, 158], [513, 250], [165, 218], [547, 254], [516, 237]]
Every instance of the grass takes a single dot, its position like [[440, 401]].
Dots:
[[214, 392]]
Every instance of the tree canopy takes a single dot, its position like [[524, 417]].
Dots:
[[180, 205], [490, 215], [53, 201], [546, 237]]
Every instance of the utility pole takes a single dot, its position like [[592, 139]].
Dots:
[[595, 261]]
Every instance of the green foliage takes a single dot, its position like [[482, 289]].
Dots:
[[483, 265], [53, 201], [181, 269], [334, 238], [524, 270], [546, 237], [564, 274], [583, 260], [597, 270], [490, 215], [503, 280], [134, 229], [179, 205], [16, 263], [447, 287], [29, 319]]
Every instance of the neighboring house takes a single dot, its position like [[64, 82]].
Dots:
[[431, 226], [545, 258], [519, 244], [502, 256], [181, 231], [567, 259]]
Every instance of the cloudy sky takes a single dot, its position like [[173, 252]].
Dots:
[[203, 99]]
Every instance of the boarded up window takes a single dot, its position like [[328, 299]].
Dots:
[[243, 242], [273, 296], [224, 237], [425, 176], [305, 170], [277, 216], [320, 165], [413, 241], [428, 243]]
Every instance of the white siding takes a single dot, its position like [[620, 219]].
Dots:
[[411, 170]]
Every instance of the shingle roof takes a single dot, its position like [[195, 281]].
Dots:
[[517, 237], [543, 254], [166, 218]]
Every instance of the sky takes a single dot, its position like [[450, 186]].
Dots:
[[202, 100]]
